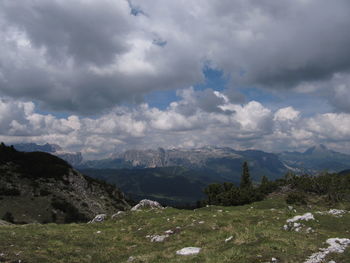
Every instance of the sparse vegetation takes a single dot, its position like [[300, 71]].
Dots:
[[227, 194], [256, 230]]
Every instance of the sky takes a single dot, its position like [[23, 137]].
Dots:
[[100, 76]]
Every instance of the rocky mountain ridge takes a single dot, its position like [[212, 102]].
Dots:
[[40, 187], [74, 158], [313, 160]]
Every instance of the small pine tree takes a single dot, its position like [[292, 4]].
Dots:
[[245, 178], [266, 186]]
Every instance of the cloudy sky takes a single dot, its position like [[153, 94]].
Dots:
[[100, 76]]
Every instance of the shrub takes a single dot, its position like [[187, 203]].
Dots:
[[8, 217], [10, 191], [297, 198]]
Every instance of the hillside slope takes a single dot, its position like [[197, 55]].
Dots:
[[40, 187], [172, 186]]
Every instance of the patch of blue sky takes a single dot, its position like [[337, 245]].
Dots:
[[214, 79]]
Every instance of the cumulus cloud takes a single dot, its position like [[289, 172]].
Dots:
[[88, 56], [242, 126]]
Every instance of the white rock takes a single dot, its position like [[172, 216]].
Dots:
[[293, 225], [186, 251], [336, 245], [118, 214], [4, 223], [273, 259], [159, 238], [201, 222], [131, 259], [98, 232], [145, 203], [169, 232], [228, 239], [337, 212], [305, 217], [99, 218]]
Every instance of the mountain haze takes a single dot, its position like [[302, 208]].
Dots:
[[72, 158], [316, 159]]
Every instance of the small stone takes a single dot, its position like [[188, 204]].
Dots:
[[201, 222], [187, 251], [158, 238], [273, 259], [228, 239], [131, 259], [118, 214], [98, 219], [169, 232], [98, 232]]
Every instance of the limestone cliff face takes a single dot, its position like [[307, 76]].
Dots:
[[39, 187]]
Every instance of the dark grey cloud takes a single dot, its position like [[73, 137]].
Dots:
[[89, 32], [88, 56]]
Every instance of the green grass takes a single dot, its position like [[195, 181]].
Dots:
[[257, 236]]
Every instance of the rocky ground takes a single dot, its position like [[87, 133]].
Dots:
[[267, 231]]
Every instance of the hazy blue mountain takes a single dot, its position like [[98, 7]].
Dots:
[[33, 147], [74, 158], [316, 159]]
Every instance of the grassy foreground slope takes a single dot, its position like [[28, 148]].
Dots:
[[257, 231]]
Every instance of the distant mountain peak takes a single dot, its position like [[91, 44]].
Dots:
[[317, 149], [74, 158]]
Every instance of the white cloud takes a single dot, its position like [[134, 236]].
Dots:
[[250, 125]]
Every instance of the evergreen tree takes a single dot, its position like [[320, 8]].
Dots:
[[245, 178], [266, 186]]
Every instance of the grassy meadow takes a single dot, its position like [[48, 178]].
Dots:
[[256, 230]]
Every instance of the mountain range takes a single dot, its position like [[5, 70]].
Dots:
[[178, 176], [74, 158]]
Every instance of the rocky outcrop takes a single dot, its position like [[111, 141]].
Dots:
[[335, 245], [98, 219], [147, 204], [39, 187]]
